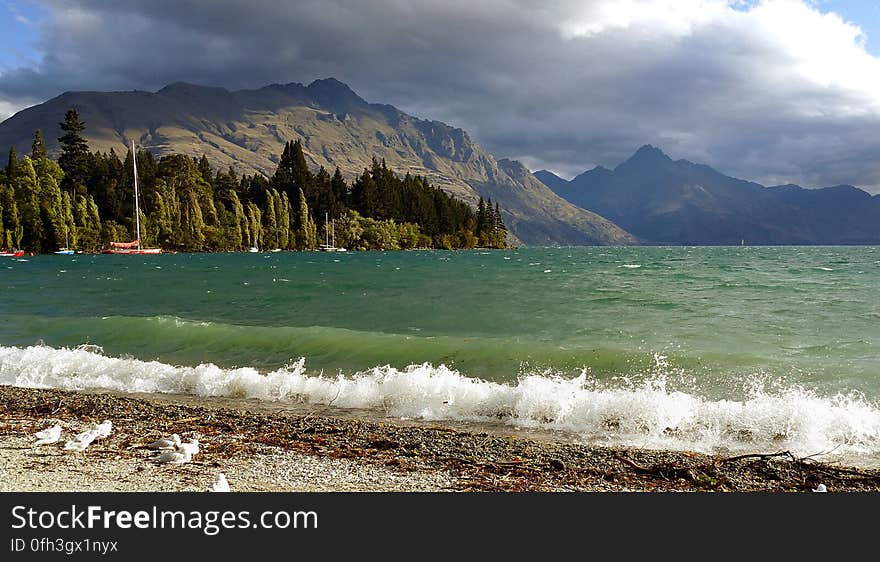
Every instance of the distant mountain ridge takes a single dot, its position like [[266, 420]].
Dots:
[[551, 180], [677, 202], [247, 129]]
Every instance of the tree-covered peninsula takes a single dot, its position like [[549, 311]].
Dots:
[[85, 200]]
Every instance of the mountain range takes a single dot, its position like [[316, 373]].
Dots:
[[677, 202], [247, 129]]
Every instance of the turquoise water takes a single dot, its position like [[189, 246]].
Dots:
[[722, 327]]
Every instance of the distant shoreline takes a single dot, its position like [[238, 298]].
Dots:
[[315, 451], [348, 251]]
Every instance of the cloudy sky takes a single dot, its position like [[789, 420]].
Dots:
[[771, 90]]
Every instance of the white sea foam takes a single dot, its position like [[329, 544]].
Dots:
[[644, 414]]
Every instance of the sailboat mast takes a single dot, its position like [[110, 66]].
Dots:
[[326, 230], [137, 210]]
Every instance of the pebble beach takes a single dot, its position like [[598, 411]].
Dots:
[[318, 451]]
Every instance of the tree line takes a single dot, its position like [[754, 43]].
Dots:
[[85, 200]]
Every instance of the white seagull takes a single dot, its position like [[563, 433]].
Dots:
[[192, 447], [172, 457], [166, 443], [220, 484], [820, 488], [81, 440], [103, 429], [49, 435]]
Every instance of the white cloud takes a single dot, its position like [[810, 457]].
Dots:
[[663, 17], [8, 109]]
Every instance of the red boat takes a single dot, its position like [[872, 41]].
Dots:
[[130, 248], [13, 254], [133, 248]]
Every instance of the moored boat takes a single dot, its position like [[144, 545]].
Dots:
[[329, 244], [134, 247]]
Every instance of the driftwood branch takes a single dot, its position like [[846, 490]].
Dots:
[[759, 456], [320, 409]]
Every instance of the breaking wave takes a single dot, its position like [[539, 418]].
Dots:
[[648, 412]]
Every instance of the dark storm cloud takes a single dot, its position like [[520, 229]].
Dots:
[[565, 86]]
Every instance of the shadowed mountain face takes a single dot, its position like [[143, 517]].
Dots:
[[551, 180], [662, 201], [247, 130]]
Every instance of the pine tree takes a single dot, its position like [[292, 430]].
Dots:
[[206, 171], [501, 228], [38, 149], [12, 164], [365, 195], [74, 159], [283, 178], [324, 202], [293, 171], [302, 176], [340, 191], [481, 218]]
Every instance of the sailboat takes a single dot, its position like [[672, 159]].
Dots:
[[134, 247], [329, 244], [65, 251]]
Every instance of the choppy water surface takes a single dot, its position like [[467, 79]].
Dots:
[[701, 348]]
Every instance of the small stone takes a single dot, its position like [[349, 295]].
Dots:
[[557, 464]]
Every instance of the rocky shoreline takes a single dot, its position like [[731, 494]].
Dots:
[[284, 451]]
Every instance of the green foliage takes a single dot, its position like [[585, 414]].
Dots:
[[86, 200], [25, 185], [51, 208], [282, 210], [69, 223], [38, 148], [255, 225], [307, 233], [12, 229], [88, 224], [11, 169], [349, 229], [75, 158]]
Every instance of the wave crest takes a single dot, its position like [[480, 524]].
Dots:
[[645, 413]]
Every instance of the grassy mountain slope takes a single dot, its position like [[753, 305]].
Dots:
[[247, 129]]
